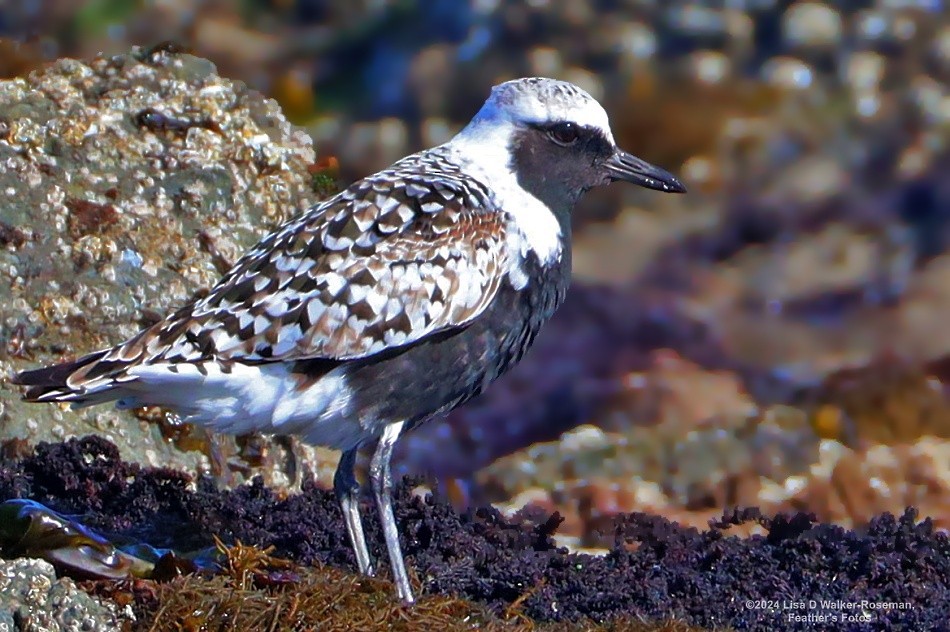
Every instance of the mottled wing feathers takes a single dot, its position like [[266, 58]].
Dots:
[[394, 258], [52, 378]]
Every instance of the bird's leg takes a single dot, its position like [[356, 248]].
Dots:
[[347, 490], [382, 481]]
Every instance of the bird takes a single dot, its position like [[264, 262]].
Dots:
[[388, 304]]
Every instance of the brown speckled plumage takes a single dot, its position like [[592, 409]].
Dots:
[[395, 257]]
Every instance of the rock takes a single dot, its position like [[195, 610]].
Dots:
[[32, 598], [127, 185]]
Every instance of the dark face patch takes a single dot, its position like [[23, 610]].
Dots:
[[555, 172]]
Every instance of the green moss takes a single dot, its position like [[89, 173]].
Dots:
[[323, 184]]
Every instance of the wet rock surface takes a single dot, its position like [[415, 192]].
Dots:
[[653, 568], [32, 597]]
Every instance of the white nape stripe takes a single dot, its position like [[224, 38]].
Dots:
[[482, 151]]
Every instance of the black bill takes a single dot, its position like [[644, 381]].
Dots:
[[627, 167]]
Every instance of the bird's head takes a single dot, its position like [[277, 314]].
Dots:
[[558, 141]]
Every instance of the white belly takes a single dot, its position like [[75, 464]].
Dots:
[[261, 398]]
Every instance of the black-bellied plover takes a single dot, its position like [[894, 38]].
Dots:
[[391, 302]]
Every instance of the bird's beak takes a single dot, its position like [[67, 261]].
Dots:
[[627, 167]]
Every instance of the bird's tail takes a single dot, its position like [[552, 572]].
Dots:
[[82, 382]]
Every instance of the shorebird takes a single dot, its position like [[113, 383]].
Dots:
[[394, 301]]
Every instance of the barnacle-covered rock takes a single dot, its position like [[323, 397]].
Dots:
[[127, 184], [33, 598]]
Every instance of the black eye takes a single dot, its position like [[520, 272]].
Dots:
[[564, 133]]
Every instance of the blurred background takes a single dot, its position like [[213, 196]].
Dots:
[[779, 337]]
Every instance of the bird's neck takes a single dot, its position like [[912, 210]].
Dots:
[[483, 152]]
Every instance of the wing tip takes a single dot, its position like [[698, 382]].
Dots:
[[50, 383]]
